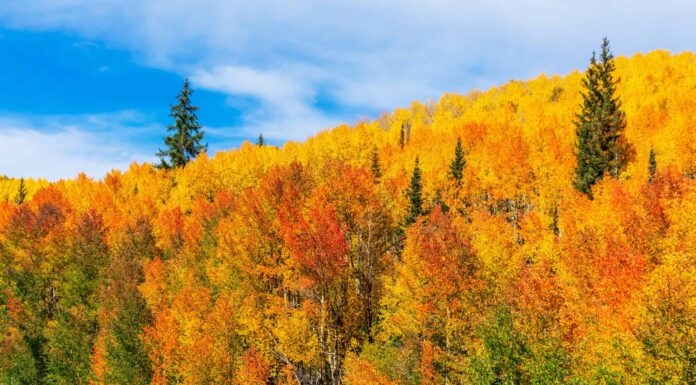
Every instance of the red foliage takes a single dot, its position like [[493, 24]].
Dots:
[[255, 368], [317, 241]]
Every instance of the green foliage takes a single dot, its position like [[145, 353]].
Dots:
[[291, 265], [19, 367], [394, 359], [402, 137], [668, 324], [259, 142], [652, 165], [374, 164], [457, 166], [415, 196], [21, 192], [504, 352], [70, 335], [547, 363], [556, 94], [16, 361], [186, 141], [34, 284], [601, 146], [127, 361], [438, 201], [69, 341]]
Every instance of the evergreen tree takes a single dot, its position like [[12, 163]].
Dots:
[[184, 143], [652, 165], [617, 149], [375, 167], [260, 141], [555, 219], [590, 163], [21, 192], [402, 137], [458, 163], [415, 196], [601, 146], [439, 201]]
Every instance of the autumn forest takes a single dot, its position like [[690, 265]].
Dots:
[[539, 232]]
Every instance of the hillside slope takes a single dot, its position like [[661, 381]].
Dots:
[[293, 264]]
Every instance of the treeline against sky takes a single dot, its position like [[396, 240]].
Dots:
[[337, 260]]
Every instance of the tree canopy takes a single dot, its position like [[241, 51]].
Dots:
[[292, 265]]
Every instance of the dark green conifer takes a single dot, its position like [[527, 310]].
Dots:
[[21, 192], [601, 146], [438, 200], [458, 163], [652, 165], [260, 141], [415, 196], [555, 219], [374, 164], [402, 137], [185, 142]]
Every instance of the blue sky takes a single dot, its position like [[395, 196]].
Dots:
[[86, 85]]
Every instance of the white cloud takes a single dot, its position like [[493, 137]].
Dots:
[[58, 147], [286, 99], [367, 55], [270, 86]]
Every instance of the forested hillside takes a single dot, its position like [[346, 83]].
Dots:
[[379, 253]]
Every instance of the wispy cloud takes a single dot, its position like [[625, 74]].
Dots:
[[286, 99], [56, 147], [366, 56]]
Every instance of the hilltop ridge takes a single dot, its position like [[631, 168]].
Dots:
[[322, 263], [654, 88]]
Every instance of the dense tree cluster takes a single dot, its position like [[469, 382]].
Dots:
[[336, 261]]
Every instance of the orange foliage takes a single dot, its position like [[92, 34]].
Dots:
[[290, 264], [362, 372]]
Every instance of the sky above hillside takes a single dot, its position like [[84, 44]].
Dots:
[[86, 85]]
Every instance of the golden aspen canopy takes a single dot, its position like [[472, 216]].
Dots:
[[294, 264]]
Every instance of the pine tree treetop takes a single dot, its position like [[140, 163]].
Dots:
[[185, 141]]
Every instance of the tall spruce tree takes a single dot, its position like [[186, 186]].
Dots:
[[185, 141], [458, 163], [652, 165], [601, 146], [259, 142], [21, 192], [374, 164], [402, 137], [415, 196]]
